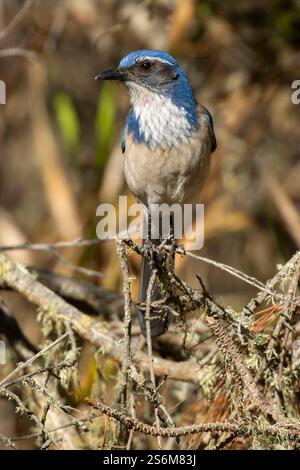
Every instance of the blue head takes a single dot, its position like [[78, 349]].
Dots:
[[155, 77]]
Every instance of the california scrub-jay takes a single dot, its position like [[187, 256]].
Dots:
[[167, 141]]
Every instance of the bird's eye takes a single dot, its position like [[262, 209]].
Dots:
[[146, 65]]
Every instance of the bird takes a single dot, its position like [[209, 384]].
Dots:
[[167, 142]]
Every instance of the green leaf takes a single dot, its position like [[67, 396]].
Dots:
[[68, 121], [105, 123]]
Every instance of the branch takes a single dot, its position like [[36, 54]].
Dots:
[[139, 426], [16, 20], [96, 332]]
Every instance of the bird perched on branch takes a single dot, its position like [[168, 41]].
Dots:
[[167, 142]]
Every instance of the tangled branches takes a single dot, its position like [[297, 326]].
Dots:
[[250, 355]]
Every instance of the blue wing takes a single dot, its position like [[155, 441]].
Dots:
[[210, 121], [131, 126], [123, 138]]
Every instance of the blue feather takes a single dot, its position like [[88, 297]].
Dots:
[[123, 137], [132, 57], [210, 121], [179, 91], [133, 126]]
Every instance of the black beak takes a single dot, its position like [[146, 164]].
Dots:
[[113, 74]]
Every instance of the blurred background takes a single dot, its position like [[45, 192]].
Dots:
[[60, 130]]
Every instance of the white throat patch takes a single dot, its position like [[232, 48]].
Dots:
[[161, 122]]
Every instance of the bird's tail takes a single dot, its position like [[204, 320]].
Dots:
[[158, 322]]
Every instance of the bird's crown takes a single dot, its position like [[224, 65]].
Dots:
[[147, 54]]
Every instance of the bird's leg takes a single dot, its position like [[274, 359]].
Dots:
[[147, 244], [171, 258], [151, 259]]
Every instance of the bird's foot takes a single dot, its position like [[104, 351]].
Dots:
[[149, 250]]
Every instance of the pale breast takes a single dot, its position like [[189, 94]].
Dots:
[[173, 175]]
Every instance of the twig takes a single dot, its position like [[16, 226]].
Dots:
[[75, 423], [7, 441], [24, 410], [282, 323], [95, 332], [149, 348], [261, 296], [79, 242], [252, 281], [127, 321], [139, 426], [76, 243], [93, 298], [22, 365], [19, 52], [16, 20], [286, 209], [235, 362]]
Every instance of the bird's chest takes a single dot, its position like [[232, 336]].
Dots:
[[157, 121], [165, 175]]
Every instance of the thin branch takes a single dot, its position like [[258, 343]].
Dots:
[[95, 332], [139, 426], [24, 410], [16, 20], [7, 441], [76, 243], [149, 348], [20, 52], [127, 321], [22, 365]]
